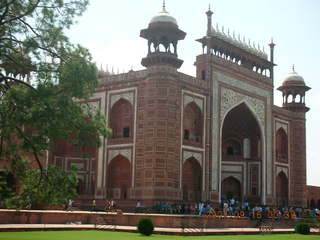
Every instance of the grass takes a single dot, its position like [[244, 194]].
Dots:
[[106, 235]]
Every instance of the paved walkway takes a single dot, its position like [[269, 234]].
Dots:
[[186, 231]]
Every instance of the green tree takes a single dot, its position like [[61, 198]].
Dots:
[[42, 75], [33, 196]]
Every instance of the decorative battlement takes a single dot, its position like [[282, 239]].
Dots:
[[107, 78], [246, 46], [224, 45], [236, 51]]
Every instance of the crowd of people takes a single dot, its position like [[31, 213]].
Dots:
[[235, 208], [230, 207]]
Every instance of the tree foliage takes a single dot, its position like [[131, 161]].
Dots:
[[35, 194], [42, 75]]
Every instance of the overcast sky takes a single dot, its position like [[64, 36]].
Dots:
[[110, 29]]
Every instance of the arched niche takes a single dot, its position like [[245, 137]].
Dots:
[[281, 145], [191, 179], [119, 175], [192, 123], [121, 119], [282, 191]]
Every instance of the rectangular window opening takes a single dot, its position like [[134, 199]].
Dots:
[[186, 134], [126, 132]]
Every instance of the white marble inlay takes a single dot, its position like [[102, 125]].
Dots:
[[127, 96], [282, 169], [123, 152], [188, 154], [237, 176], [230, 99], [282, 125], [188, 99], [229, 168]]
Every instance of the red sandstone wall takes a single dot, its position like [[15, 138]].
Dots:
[[158, 138], [298, 162], [313, 196]]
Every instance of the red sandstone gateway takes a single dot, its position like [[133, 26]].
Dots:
[[179, 138]]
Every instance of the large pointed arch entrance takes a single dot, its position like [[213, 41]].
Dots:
[[241, 155], [191, 180]]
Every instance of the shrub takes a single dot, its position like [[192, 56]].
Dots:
[[145, 226], [302, 228]]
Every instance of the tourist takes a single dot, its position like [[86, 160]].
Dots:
[[138, 207], [232, 202], [230, 210], [200, 206], [246, 206], [113, 206], [70, 202], [107, 207], [225, 209], [93, 205], [192, 208]]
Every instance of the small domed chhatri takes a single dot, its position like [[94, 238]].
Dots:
[[163, 35], [293, 79], [164, 16], [293, 91]]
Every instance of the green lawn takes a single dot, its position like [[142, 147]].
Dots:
[[106, 235]]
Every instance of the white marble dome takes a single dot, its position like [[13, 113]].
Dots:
[[293, 78], [163, 16]]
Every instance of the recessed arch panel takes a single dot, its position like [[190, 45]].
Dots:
[[282, 191], [121, 119], [119, 175], [191, 179]]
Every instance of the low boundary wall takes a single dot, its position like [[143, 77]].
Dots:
[[131, 219]]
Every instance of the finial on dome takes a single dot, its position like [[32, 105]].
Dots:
[[293, 68], [271, 44], [209, 12], [164, 6]]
